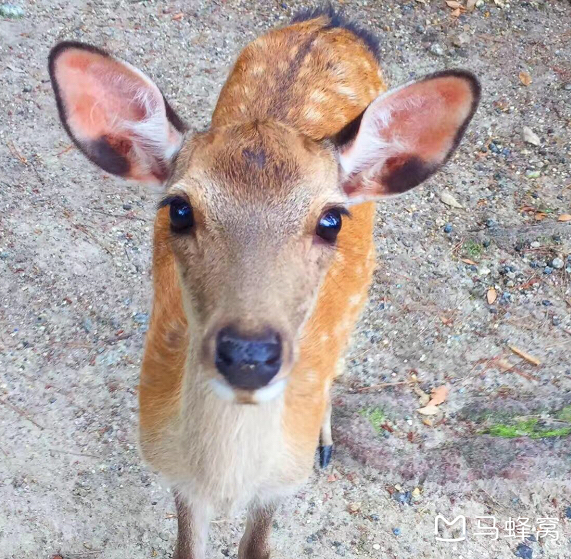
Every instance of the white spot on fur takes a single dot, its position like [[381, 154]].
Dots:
[[223, 390], [269, 392]]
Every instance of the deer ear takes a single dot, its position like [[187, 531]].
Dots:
[[114, 113], [407, 134]]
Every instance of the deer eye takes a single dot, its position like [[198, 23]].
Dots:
[[181, 215], [329, 225]]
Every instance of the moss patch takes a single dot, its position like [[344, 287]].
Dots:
[[528, 428], [376, 417], [473, 249], [565, 414]]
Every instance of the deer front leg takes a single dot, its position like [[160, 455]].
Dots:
[[255, 541], [192, 529], [326, 446]]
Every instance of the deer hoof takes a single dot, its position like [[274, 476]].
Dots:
[[325, 454]]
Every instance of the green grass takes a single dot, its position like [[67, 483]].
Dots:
[[529, 428], [376, 417], [473, 249], [565, 414]]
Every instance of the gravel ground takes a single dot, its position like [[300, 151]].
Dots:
[[75, 296]]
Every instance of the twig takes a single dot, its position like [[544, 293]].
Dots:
[[529, 358], [74, 453], [22, 413], [382, 385]]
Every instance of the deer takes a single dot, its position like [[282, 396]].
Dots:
[[263, 247]]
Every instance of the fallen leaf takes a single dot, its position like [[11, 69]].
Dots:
[[525, 78], [453, 4], [564, 217], [540, 216], [491, 296], [456, 13], [427, 422], [177, 17], [529, 358], [424, 398], [428, 410], [468, 261], [449, 200], [354, 508], [438, 396]]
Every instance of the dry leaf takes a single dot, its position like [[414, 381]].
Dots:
[[428, 410], [177, 17], [456, 13], [438, 396], [530, 136], [564, 217], [471, 5], [424, 398], [449, 200], [525, 78], [529, 358], [540, 216], [453, 4], [468, 261], [491, 296], [427, 422]]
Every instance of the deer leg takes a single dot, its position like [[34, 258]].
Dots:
[[326, 447], [255, 541], [192, 529]]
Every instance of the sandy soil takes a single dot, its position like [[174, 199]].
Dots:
[[75, 293]]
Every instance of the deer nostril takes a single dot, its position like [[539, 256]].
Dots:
[[248, 362]]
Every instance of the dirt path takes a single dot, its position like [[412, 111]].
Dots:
[[74, 298]]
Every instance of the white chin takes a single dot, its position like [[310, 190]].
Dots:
[[225, 392]]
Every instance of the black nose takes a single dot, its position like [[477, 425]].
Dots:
[[248, 362]]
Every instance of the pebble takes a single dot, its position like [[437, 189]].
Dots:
[[11, 11], [548, 270], [376, 546], [396, 531], [535, 244], [532, 174], [461, 40], [557, 263], [4, 255], [556, 321], [127, 207], [568, 512], [567, 87], [523, 551], [87, 324], [141, 318], [448, 228], [436, 49], [27, 88]]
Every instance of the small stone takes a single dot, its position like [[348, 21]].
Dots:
[[11, 11], [530, 136], [556, 321], [396, 531], [486, 243], [127, 207], [448, 228], [567, 87], [376, 546], [568, 512], [4, 255], [546, 303], [436, 49], [523, 551], [87, 324], [535, 244], [557, 263], [530, 174], [141, 318], [27, 88], [461, 39], [490, 223], [548, 270]]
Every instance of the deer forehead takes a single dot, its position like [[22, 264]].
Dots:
[[265, 171]]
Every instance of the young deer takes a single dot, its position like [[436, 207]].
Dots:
[[257, 286]]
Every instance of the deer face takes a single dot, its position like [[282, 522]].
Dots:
[[253, 209], [254, 212]]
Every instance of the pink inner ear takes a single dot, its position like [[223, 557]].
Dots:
[[426, 116], [99, 93]]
